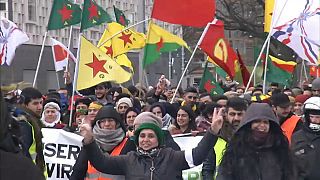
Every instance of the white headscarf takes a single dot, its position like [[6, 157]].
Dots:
[[51, 105]]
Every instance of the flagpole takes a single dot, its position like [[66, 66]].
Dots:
[[264, 44], [257, 62], [305, 71], [265, 68], [58, 80], [75, 79], [193, 53], [69, 44], [301, 72], [123, 31], [39, 60]]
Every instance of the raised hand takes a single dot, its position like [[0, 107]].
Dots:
[[86, 132], [217, 120]]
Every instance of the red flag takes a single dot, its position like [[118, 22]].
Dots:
[[314, 71], [218, 49], [196, 13], [244, 71], [60, 54]]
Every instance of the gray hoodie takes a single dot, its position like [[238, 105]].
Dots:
[[258, 111]]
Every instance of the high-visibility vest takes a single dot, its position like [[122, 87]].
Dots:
[[93, 174], [289, 125], [33, 152], [219, 148]]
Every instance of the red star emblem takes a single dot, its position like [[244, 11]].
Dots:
[[159, 44], [97, 66], [93, 11], [65, 13], [109, 50], [208, 86], [126, 38]]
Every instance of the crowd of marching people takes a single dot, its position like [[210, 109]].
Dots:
[[128, 132]]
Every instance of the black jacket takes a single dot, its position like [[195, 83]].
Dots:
[[306, 148], [168, 164], [15, 166], [245, 160]]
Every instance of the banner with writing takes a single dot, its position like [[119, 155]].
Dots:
[[61, 150], [188, 142]]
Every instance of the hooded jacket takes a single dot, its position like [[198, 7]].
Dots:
[[253, 162]]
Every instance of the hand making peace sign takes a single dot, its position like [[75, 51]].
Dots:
[[217, 120]]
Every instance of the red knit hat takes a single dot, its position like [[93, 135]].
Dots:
[[301, 98]]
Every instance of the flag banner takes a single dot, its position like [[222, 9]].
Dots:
[[296, 24], [243, 73], [280, 71], [196, 13], [120, 17], [10, 37], [218, 49], [158, 41], [61, 150], [314, 71], [123, 60], [63, 14], [60, 55], [121, 43], [268, 11], [96, 67], [208, 83], [93, 15]]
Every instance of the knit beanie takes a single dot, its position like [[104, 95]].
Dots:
[[109, 112], [124, 100], [153, 127], [147, 117], [302, 98]]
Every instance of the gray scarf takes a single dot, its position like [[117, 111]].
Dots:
[[108, 139]]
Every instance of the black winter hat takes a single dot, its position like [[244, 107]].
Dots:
[[280, 99], [109, 112]]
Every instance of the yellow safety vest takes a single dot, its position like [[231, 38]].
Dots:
[[33, 152], [219, 148]]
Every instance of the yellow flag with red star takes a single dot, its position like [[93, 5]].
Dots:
[[122, 42], [96, 67]]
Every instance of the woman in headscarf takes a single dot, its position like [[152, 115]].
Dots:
[[159, 110], [51, 115], [258, 149]]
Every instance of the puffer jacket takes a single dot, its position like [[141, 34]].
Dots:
[[306, 148], [166, 164], [258, 162]]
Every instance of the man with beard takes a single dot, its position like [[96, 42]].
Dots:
[[234, 113], [190, 97], [101, 90], [282, 107]]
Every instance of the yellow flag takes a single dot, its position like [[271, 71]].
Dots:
[[96, 67], [121, 43], [268, 10], [123, 60]]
